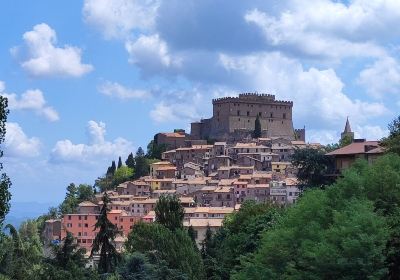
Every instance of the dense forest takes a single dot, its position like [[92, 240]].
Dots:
[[348, 229]]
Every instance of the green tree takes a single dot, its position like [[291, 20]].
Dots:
[[346, 140], [392, 142], [69, 252], [192, 234], [130, 161], [319, 239], [5, 182], [313, 166], [174, 247], [169, 212], [119, 162], [104, 240], [239, 237], [257, 128], [142, 167], [154, 150], [123, 174], [84, 193]]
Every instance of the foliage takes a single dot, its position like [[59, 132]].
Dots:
[[346, 140], [174, 247], [321, 240], [123, 174], [141, 267], [130, 161], [104, 240], [257, 128], [392, 142], [74, 196], [169, 212], [238, 237], [69, 252], [142, 167], [119, 162], [5, 182], [154, 150], [313, 166]]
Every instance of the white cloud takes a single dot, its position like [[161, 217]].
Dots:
[[370, 132], [117, 90], [18, 144], [179, 106], [42, 58], [97, 150], [118, 18], [381, 78], [317, 94], [32, 99], [150, 53], [298, 31]]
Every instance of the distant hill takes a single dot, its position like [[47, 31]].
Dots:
[[21, 211]]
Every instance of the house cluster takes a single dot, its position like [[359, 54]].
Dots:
[[211, 181]]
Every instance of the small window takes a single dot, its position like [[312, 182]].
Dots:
[[248, 113], [238, 113], [86, 225]]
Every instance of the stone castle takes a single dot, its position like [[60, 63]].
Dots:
[[234, 119]]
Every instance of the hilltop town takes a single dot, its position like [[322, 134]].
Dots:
[[222, 163]]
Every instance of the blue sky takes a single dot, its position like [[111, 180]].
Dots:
[[90, 80]]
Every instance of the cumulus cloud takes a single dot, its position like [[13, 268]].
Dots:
[[381, 78], [178, 106], [317, 94], [18, 144], [97, 149], [150, 53], [118, 18], [297, 32], [117, 90], [370, 132], [40, 56]]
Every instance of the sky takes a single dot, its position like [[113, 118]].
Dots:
[[88, 81]]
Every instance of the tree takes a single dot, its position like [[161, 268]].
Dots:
[[130, 161], [321, 239], [346, 140], [104, 240], [123, 174], [119, 162], [206, 243], [70, 203], [111, 170], [154, 150], [392, 142], [192, 234], [69, 252], [257, 128], [174, 247], [5, 182], [239, 237], [169, 212], [313, 166], [84, 193], [142, 167]]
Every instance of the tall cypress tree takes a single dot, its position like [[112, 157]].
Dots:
[[113, 168], [5, 182], [257, 128], [130, 161], [104, 241], [119, 162]]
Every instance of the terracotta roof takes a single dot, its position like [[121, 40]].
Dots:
[[223, 190], [86, 203], [173, 134], [354, 148], [199, 222], [166, 168]]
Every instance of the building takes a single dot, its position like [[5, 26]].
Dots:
[[347, 131], [360, 149], [234, 118], [171, 140]]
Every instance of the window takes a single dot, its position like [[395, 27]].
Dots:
[[85, 218], [116, 218], [79, 225], [248, 113], [284, 115], [228, 196], [121, 219], [86, 225], [131, 220], [80, 217], [271, 115], [69, 225], [259, 113], [69, 217], [238, 113], [79, 234]]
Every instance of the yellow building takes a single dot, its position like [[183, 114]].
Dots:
[[280, 166]]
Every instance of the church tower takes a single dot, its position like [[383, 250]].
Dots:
[[347, 131]]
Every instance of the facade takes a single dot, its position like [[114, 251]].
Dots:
[[234, 118]]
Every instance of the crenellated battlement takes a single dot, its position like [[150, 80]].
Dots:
[[251, 97]]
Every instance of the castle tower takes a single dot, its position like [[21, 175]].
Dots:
[[347, 131]]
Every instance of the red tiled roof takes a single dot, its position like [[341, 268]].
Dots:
[[355, 148]]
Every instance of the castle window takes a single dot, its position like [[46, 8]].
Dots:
[[259, 113], [248, 113], [284, 115], [272, 115], [238, 119], [238, 113]]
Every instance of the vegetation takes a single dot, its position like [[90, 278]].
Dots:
[[5, 182], [313, 166], [169, 212], [104, 241], [74, 196], [392, 142], [154, 150], [257, 128]]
